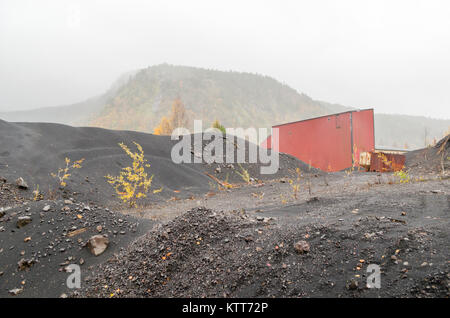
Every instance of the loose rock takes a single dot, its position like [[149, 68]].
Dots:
[[352, 285], [97, 244], [301, 247], [16, 291], [23, 220], [25, 263], [21, 184]]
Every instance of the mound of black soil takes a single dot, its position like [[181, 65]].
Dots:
[[52, 235], [435, 159], [204, 253], [35, 150], [10, 194]]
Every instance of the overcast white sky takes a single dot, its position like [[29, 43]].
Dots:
[[390, 55]]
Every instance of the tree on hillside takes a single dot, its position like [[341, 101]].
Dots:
[[177, 118], [163, 128], [216, 124]]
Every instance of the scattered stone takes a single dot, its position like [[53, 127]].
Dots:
[[76, 232], [99, 228], [301, 247], [16, 291], [27, 239], [22, 221], [424, 264], [63, 296], [313, 199], [97, 244], [25, 263], [3, 211], [46, 208], [352, 285], [21, 184], [68, 202], [218, 170]]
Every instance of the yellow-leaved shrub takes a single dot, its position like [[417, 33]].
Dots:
[[133, 182], [63, 173]]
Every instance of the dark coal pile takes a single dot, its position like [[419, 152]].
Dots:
[[232, 172], [35, 150], [433, 285], [10, 194], [38, 240], [435, 159], [196, 245], [211, 254]]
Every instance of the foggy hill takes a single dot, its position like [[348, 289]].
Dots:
[[77, 114], [235, 99], [139, 99]]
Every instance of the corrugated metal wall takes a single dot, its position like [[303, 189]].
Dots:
[[363, 133], [330, 143]]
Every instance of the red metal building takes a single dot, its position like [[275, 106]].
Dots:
[[330, 143]]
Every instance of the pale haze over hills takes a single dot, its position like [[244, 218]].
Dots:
[[274, 61], [393, 56], [139, 99]]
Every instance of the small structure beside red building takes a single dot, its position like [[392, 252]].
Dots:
[[330, 143], [382, 160]]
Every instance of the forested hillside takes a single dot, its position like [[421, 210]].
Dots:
[[236, 99]]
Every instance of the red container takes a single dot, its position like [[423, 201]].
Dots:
[[330, 143], [386, 162]]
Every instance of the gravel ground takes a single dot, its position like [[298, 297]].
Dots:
[[207, 253], [34, 257], [195, 240]]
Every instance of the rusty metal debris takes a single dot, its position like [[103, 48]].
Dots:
[[382, 161]]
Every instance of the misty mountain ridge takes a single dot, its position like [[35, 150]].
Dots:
[[139, 99]]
